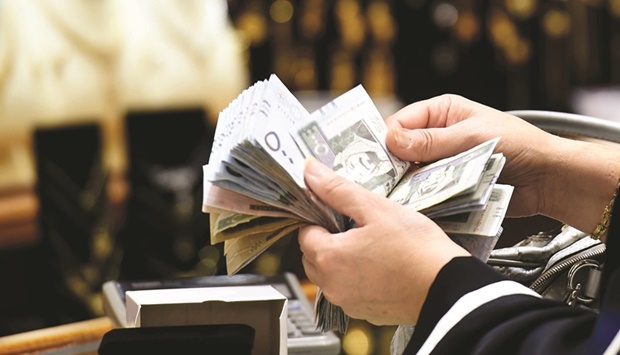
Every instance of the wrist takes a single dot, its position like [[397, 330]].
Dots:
[[580, 181]]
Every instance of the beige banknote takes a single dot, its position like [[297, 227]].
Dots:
[[241, 251], [227, 226]]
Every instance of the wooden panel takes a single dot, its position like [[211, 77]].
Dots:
[[60, 337]]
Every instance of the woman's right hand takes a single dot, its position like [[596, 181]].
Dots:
[[551, 175]]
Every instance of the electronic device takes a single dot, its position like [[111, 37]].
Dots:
[[303, 337]]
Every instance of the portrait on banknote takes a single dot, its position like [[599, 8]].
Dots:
[[417, 187], [354, 153], [362, 159]]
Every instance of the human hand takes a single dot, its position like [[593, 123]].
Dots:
[[382, 270], [446, 125], [542, 167]]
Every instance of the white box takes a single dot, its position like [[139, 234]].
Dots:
[[261, 307]]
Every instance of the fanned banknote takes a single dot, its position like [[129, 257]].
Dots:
[[255, 193]]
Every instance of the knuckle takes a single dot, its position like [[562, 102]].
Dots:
[[425, 145], [325, 260], [447, 103]]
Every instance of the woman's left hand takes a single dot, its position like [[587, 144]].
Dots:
[[381, 270]]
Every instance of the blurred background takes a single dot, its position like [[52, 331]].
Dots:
[[107, 112]]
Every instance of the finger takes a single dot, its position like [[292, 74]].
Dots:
[[439, 111], [431, 129], [431, 144], [346, 197], [310, 239], [310, 270]]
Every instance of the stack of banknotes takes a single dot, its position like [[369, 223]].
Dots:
[[254, 189]]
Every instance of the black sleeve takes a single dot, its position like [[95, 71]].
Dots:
[[471, 309]]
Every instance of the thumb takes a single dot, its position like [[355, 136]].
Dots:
[[428, 144], [345, 196]]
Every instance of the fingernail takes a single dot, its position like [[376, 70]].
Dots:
[[402, 138]]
